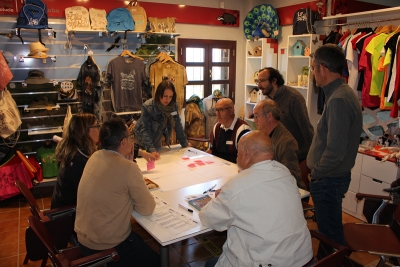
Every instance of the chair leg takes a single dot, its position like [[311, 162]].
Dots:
[[382, 261], [44, 262], [26, 259]]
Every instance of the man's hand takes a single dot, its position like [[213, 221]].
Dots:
[[148, 156], [190, 145], [216, 193], [156, 155], [209, 151], [130, 155]]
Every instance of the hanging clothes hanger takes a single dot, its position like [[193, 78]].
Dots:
[[164, 58], [129, 53]]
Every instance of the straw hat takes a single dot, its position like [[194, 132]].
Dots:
[[37, 49]]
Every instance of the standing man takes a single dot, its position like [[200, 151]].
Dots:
[[110, 188], [261, 209], [267, 119], [226, 133], [294, 115], [335, 143]]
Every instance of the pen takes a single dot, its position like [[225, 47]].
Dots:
[[183, 207], [209, 190]]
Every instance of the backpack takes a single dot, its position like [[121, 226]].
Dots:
[[139, 16], [33, 15], [303, 21], [120, 19]]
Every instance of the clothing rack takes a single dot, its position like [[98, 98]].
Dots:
[[361, 22]]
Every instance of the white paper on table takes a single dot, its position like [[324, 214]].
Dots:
[[160, 203], [179, 180], [172, 221]]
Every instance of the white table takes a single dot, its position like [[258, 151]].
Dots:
[[176, 197]]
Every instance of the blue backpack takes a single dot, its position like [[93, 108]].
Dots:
[[33, 15], [120, 19]]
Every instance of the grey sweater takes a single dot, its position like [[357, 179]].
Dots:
[[335, 143], [295, 118]]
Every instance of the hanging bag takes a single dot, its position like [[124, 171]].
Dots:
[[10, 119], [139, 15]]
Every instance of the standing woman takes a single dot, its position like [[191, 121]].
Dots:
[[159, 116], [72, 153]]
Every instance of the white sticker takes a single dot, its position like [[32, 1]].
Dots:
[[174, 113], [229, 142]]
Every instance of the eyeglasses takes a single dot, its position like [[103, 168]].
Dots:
[[256, 117], [95, 126], [221, 109], [261, 81]]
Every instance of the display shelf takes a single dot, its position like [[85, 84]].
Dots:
[[45, 130], [268, 58], [27, 108], [394, 11], [294, 76]]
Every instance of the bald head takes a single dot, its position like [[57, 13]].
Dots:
[[254, 147], [266, 115], [225, 111]]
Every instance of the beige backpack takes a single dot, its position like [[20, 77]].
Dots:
[[138, 15], [77, 18], [98, 19]]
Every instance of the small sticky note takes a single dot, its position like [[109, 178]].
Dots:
[[151, 165], [200, 163], [192, 165], [185, 158], [197, 161]]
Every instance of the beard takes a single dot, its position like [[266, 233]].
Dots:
[[267, 90]]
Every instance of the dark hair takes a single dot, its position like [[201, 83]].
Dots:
[[274, 74], [268, 106], [112, 132], [165, 84], [331, 56], [77, 136]]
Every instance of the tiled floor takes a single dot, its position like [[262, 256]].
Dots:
[[191, 252]]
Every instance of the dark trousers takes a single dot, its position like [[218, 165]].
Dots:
[[133, 251], [327, 194]]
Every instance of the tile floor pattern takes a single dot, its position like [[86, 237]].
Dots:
[[191, 252]]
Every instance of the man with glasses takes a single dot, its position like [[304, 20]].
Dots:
[[335, 143], [267, 119], [110, 188], [227, 131], [294, 115]]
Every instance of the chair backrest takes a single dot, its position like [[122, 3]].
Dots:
[[29, 197], [334, 259], [44, 236]]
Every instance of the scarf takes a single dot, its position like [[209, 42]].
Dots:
[[166, 112]]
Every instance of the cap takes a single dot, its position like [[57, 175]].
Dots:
[[36, 77]]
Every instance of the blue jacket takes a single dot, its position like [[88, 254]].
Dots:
[[150, 126]]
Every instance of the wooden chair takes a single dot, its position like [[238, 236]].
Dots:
[[376, 239], [71, 256], [333, 260], [60, 220]]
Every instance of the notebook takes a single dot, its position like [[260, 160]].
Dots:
[[200, 202]]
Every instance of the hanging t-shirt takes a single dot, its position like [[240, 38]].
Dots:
[[126, 74], [175, 72], [374, 48], [88, 82], [46, 156]]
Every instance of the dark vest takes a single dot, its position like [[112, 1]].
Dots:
[[219, 146]]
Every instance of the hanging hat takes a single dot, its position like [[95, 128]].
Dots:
[[218, 94], [37, 49], [36, 77]]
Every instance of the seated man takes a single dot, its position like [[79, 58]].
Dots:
[[267, 119], [110, 188], [261, 209], [226, 133]]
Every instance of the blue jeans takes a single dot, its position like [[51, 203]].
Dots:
[[327, 194]]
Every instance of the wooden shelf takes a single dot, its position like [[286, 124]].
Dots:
[[374, 14]]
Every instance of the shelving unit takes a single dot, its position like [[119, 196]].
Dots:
[[268, 58], [295, 64]]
